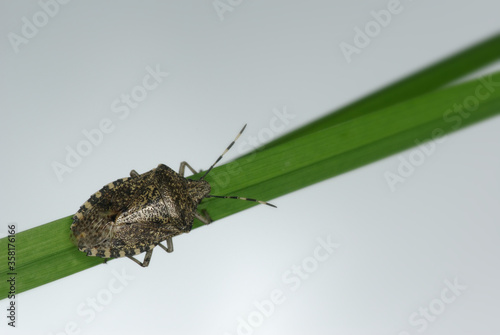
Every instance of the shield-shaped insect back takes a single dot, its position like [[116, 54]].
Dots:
[[135, 214]]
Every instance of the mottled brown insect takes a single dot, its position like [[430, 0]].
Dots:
[[135, 214]]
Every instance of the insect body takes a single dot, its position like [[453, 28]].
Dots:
[[135, 214]]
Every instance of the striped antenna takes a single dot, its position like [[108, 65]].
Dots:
[[241, 198], [227, 149], [232, 197]]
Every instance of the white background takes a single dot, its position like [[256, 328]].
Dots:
[[396, 249]]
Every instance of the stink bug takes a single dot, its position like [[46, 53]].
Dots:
[[135, 214]]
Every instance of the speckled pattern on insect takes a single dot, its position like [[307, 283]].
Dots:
[[135, 214]]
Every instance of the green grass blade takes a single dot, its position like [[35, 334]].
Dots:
[[45, 253], [422, 82], [328, 152]]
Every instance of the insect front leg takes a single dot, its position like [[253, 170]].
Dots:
[[183, 166], [203, 217], [146, 260]]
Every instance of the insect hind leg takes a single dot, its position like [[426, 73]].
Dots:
[[147, 259], [170, 245]]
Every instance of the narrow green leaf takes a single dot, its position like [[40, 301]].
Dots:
[[328, 152], [422, 82], [45, 253]]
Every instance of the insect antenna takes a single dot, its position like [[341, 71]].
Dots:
[[240, 198], [218, 159], [227, 149]]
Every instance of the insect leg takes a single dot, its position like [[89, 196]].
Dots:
[[183, 166], [134, 174], [146, 260], [203, 217], [170, 245]]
